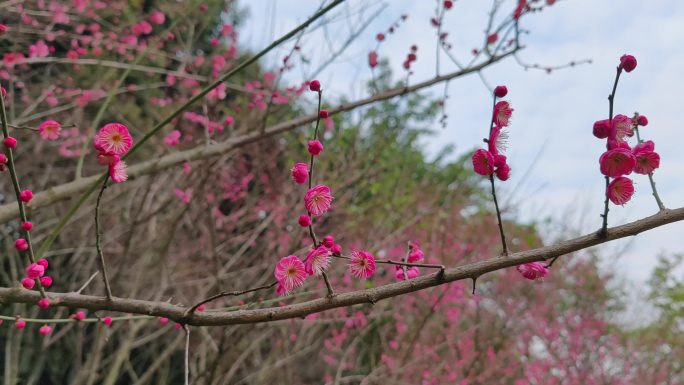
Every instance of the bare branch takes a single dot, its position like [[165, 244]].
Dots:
[[469, 271]]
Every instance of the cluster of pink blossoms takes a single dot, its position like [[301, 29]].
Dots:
[[620, 159], [290, 272], [36, 271], [113, 141], [415, 255], [492, 160]]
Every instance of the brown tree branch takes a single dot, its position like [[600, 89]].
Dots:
[[68, 190], [469, 271]]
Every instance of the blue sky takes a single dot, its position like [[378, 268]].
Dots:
[[553, 113]]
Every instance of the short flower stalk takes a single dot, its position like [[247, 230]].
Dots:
[[23, 245], [112, 142], [491, 162], [647, 157]]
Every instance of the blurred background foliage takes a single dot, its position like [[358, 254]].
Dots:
[[222, 224]]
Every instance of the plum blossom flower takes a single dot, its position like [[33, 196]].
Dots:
[[533, 270], [622, 126], [157, 17], [290, 273], [416, 254], [502, 113], [113, 138], [620, 190], [35, 271], [498, 140], [107, 159], [45, 330], [362, 264], [373, 59], [483, 162], [318, 200], [39, 49], [117, 172], [617, 162], [49, 130], [647, 160], [173, 138], [644, 147], [411, 272], [300, 173], [503, 172], [317, 261]]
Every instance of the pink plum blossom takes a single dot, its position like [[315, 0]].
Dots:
[[362, 264], [290, 273], [620, 190], [502, 114], [483, 162], [533, 270], [300, 173], [317, 261], [617, 162], [113, 138], [318, 200], [49, 130]]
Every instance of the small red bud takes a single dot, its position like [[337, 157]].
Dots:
[[10, 142], [500, 91], [315, 86]]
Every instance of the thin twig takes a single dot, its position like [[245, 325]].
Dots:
[[187, 354], [408, 251], [103, 266], [87, 282], [661, 206], [399, 263], [611, 100], [17, 189], [491, 180], [228, 294], [328, 285]]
